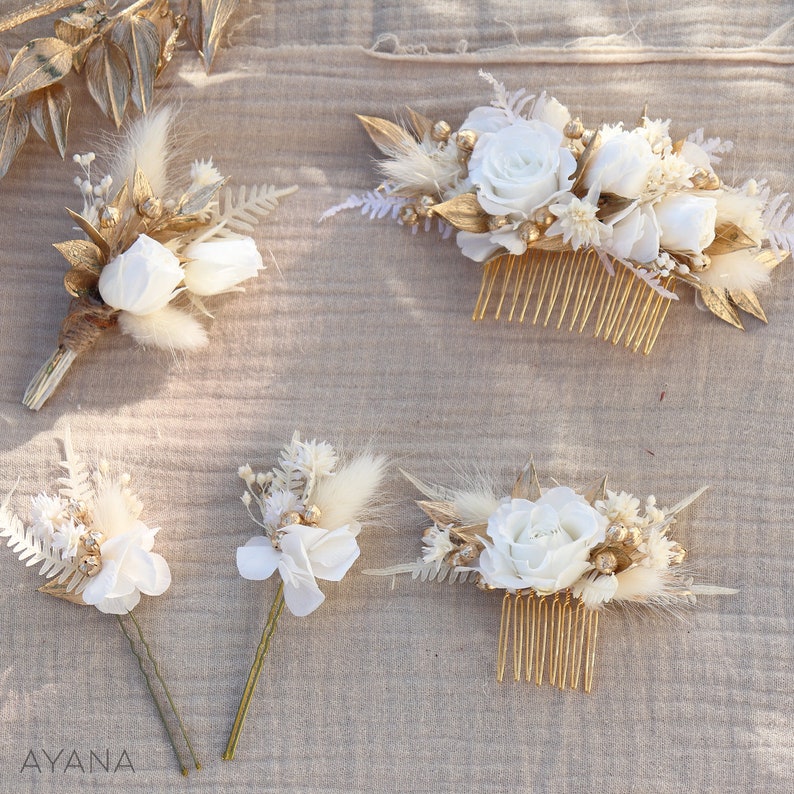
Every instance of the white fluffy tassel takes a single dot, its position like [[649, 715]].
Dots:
[[645, 584], [168, 328], [147, 144], [737, 271], [342, 497], [475, 507]]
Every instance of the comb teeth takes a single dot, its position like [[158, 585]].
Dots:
[[552, 638], [575, 285]]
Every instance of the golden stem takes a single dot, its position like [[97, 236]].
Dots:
[[253, 676], [504, 638], [33, 11], [518, 636]]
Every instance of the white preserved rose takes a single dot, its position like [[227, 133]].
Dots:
[[142, 279], [543, 545], [518, 168], [686, 222], [622, 165], [217, 266]]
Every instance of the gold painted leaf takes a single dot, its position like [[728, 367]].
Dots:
[[5, 60], [191, 203], [168, 27], [141, 189], [108, 76], [527, 485], [14, 127], [596, 491], [748, 302], [729, 238], [470, 533], [49, 111], [718, 302], [93, 233], [464, 213], [420, 124], [551, 244], [82, 254], [771, 260], [386, 135], [582, 163], [39, 63], [140, 41], [215, 14], [60, 590], [442, 513], [79, 282], [76, 27], [194, 23]]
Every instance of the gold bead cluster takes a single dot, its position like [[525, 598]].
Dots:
[[310, 517], [90, 553]]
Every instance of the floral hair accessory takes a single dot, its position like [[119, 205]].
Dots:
[[575, 223], [308, 507], [94, 550], [151, 251], [560, 557]]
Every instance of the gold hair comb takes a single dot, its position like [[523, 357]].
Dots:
[[559, 556], [581, 227]]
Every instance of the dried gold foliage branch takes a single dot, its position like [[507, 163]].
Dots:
[[120, 53]]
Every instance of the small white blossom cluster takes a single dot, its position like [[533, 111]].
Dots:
[[632, 194], [308, 505], [91, 537]]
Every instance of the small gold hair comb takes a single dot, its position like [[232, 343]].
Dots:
[[560, 557], [581, 227]]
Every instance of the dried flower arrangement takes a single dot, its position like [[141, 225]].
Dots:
[[119, 52], [309, 507], [559, 556], [95, 551], [589, 222], [149, 245]]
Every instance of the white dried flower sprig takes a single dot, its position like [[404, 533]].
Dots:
[[309, 507], [151, 252], [94, 550], [559, 556], [522, 181]]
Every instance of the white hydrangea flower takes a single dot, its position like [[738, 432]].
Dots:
[[47, 514], [437, 545], [620, 507], [203, 174], [316, 458]]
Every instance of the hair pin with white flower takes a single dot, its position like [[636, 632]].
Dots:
[[94, 550], [309, 508], [560, 557], [151, 252], [576, 224]]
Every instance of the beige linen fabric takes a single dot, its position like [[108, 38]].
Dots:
[[359, 332]]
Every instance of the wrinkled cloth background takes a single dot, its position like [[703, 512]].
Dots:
[[359, 333]]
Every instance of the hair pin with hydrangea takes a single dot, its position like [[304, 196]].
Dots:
[[152, 251], [581, 227], [560, 557], [94, 550], [309, 508]]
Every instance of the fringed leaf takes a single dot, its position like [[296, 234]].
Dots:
[[41, 62], [49, 111], [241, 213], [109, 78], [427, 572], [140, 41], [14, 127], [76, 482]]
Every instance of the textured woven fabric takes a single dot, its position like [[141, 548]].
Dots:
[[359, 332]]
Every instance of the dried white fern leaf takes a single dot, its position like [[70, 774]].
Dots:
[[76, 484], [779, 224], [438, 493], [427, 572], [242, 212]]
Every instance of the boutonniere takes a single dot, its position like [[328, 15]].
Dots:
[[94, 549], [578, 224], [560, 557], [309, 509], [152, 250]]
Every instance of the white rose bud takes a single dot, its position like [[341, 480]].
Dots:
[[142, 279], [621, 165], [220, 265], [686, 222], [543, 545]]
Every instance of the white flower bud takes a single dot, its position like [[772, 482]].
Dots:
[[220, 265], [142, 279]]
